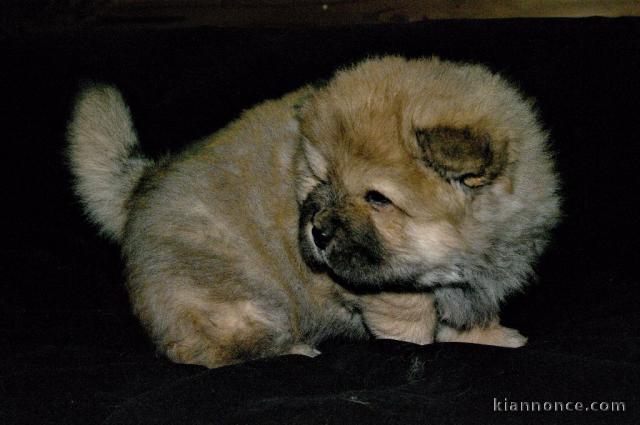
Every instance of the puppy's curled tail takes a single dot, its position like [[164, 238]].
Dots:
[[102, 145]]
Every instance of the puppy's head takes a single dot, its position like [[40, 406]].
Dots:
[[396, 158]]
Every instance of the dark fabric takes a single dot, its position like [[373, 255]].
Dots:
[[73, 354]]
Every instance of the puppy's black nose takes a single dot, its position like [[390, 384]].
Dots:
[[322, 235]]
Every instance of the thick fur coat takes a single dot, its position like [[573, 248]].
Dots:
[[404, 199]]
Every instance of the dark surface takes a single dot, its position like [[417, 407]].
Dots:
[[72, 352]]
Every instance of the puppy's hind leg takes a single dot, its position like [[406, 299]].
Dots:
[[190, 327]]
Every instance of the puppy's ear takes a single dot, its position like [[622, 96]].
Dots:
[[461, 154]]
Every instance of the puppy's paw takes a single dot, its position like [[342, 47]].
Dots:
[[493, 334], [508, 337], [304, 350]]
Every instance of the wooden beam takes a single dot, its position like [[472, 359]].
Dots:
[[71, 15]]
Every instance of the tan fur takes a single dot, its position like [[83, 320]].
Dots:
[[490, 334], [224, 260], [406, 316]]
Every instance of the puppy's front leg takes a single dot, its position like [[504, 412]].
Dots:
[[407, 317], [470, 315]]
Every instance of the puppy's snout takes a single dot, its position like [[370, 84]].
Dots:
[[324, 228]]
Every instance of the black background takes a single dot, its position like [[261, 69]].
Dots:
[[72, 352]]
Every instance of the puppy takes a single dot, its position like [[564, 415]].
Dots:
[[404, 199]]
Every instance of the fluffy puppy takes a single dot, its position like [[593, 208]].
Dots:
[[405, 199]]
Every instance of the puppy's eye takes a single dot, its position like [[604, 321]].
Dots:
[[376, 199]]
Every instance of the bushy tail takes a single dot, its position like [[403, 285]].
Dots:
[[101, 151]]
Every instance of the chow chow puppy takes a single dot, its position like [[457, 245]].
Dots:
[[404, 199]]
